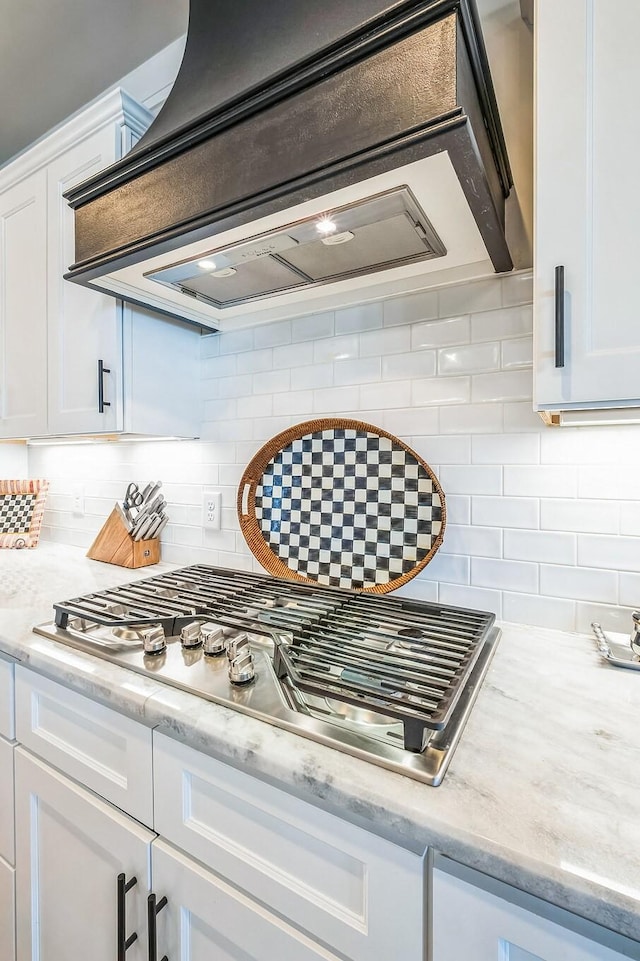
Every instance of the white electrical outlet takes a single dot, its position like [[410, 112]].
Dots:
[[211, 506], [77, 500]]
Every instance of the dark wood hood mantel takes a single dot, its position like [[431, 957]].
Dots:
[[283, 102]]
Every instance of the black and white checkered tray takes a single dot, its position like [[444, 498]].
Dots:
[[16, 511], [341, 503]]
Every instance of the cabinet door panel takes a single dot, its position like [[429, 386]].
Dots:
[[469, 922], [207, 919], [7, 912], [7, 849], [588, 205], [23, 308], [70, 848], [7, 710], [84, 325]]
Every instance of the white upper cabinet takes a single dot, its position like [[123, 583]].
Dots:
[[67, 363], [23, 307], [588, 203]]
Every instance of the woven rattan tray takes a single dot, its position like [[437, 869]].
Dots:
[[342, 503]]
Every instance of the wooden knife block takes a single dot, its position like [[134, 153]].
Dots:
[[115, 545]]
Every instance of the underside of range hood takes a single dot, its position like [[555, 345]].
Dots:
[[277, 106]]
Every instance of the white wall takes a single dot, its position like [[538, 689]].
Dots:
[[543, 523]]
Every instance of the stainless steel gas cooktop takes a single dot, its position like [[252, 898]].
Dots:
[[387, 679]]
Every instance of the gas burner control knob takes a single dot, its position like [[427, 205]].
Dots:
[[153, 639], [190, 635], [242, 670], [213, 639], [236, 644], [241, 667]]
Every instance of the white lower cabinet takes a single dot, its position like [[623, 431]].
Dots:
[[472, 924], [70, 849], [7, 848], [205, 918], [7, 912]]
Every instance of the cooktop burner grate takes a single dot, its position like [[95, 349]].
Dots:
[[388, 679], [403, 659]]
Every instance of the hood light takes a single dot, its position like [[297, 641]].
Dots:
[[224, 272], [342, 238], [206, 265], [326, 226]]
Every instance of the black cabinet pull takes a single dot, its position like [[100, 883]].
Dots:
[[154, 908], [102, 403], [559, 316], [124, 942]]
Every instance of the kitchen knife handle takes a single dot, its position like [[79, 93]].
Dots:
[[102, 403], [559, 305], [153, 909], [124, 942]]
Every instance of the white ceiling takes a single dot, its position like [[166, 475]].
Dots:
[[56, 55]]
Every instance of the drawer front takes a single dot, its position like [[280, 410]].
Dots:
[[7, 843], [360, 894], [7, 912], [107, 752], [7, 724]]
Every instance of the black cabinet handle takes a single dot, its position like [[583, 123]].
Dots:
[[559, 316], [102, 403], [154, 908], [124, 942]]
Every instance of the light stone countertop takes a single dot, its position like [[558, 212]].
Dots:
[[541, 792]]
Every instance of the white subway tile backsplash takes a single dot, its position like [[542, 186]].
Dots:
[[630, 590], [510, 575], [517, 352], [499, 324], [319, 375], [540, 481], [352, 320], [272, 335], [293, 356], [579, 583], [472, 541], [593, 517], [336, 348], [471, 479], [443, 333], [271, 382], [517, 289], [464, 360], [380, 343], [602, 550], [417, 363], [234, 341], [437, 449], [312, 327], [387, 395], [541, 611], [445, 390], [364, 370], [543, 546], [411, 308], [453, 568], [520, 417], [251, 362], [335, 400], [505, 448], [543, 525], [506, 512], [469, 298], [476, 598], [508, 385], [470, 419]]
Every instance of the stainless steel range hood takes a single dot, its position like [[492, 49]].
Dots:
[[306, 158]]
